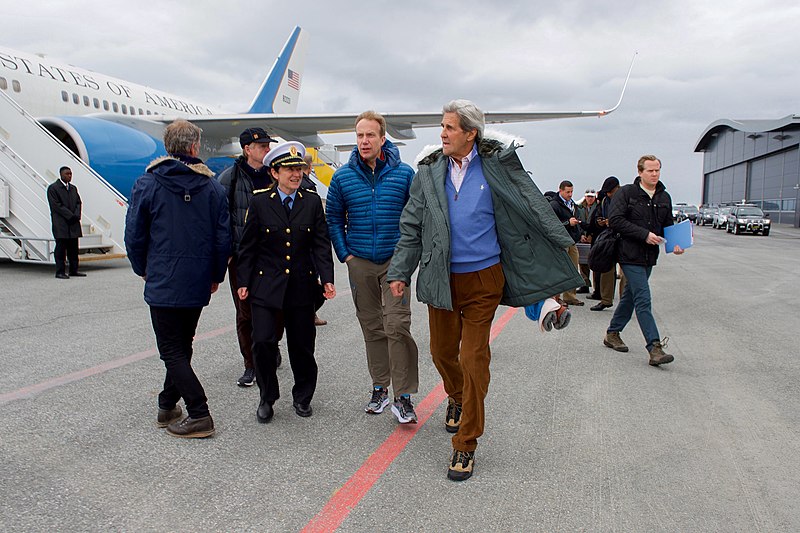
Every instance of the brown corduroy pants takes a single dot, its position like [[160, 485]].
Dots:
[[460, 346]]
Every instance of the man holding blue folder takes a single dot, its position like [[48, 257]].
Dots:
[[639, 213]]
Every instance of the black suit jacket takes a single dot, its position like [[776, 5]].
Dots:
[[283, 259], [65, 210]]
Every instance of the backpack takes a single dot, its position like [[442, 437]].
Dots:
[[603, 254]]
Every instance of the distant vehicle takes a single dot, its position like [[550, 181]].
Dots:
[[706, 216], [748, 218], [676, 208], [720, 218], [687, 212]]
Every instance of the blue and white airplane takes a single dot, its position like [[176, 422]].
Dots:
[[116, 126]]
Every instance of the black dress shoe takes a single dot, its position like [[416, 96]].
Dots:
[[264, 413], [62, 276], [594, 297], [77, 274], [600, 306], [302, 410], [583, 290]]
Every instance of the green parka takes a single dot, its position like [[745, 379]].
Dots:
[[532, 241]]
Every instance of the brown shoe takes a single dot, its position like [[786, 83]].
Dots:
[[575, 302], [168, 416], [613, 340], [452, 420], [319, 322], [461, 465], [192, 428], [657, 354]]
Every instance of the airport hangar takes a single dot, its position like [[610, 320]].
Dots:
[[756, 161]]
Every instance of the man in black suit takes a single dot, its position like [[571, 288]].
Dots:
[[65, 211], [284, 254]]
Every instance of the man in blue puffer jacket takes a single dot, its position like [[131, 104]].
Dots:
[[177, 234], [365, 200]]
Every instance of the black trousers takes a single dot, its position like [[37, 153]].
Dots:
[[300, 339], [66, 249], [174, 328]]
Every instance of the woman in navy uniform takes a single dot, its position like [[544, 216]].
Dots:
[[285, 254]]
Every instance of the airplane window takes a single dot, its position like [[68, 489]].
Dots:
[[4, 84], [75, 98], [140, 111], [15, 86], [105, 105], [65, 96], [124, 109], [86, 101], [115, 107], [148, 112], [96, 103]]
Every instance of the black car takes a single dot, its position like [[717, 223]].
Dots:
[[687, 211], [748, 218], [705, 216]]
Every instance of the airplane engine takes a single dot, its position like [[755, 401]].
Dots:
[[117, 152]]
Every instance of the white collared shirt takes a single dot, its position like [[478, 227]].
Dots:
[[457, 173]]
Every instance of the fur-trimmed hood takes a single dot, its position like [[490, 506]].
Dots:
[[199, 168], [493, 141]]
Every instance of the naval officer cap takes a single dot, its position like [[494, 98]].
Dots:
[[286, 154]]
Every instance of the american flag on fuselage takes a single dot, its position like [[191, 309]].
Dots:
[[294, 80]]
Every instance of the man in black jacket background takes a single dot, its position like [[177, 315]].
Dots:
[[567, 213], [639, 213]]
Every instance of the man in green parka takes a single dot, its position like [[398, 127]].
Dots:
[[482, 235]]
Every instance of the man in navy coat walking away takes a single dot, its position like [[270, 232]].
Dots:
[[177, 234]]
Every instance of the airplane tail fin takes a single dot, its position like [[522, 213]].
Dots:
[[280, 91]]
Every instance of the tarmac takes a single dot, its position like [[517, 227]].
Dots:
[[578, 437]]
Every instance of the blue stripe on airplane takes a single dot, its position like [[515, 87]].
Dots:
[[263, 101]]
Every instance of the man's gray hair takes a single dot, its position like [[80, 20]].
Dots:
[[179, 136], [470, 117]]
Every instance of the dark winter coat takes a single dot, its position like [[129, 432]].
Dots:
[[65, 210], [239, 190], [634, 215], [177, 233], [564, 213], [281, 258]]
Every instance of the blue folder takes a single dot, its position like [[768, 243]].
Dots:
[[678, 234]]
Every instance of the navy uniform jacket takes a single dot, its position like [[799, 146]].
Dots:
[[280, 257]]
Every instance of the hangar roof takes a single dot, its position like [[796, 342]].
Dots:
[[744, 125]]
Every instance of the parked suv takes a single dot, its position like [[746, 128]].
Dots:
[[706, 216], [720, 218], [748, 218], [676, 208]]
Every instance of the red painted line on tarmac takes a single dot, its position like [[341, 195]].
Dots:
[[346, 498], [30, 390]]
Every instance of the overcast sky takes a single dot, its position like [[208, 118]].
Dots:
[[698, 62]]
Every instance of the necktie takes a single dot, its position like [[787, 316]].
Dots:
[[287, 205]]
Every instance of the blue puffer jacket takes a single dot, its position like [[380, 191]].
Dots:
[[177, 232], [363, 209]]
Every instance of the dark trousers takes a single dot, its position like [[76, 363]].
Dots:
[[174, 328], [301, 335], [244, 319], [66, 249]]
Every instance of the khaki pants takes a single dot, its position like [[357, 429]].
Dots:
[[570, 296], [392, 356], [460, 346]]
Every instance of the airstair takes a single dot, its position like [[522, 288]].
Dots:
[[30, 157]]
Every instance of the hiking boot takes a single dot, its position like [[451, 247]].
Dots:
[[575, 302], [248, 378], [192, 428], [613, 340], [452, 420], [379, 400], [168, 416], [461, 465], [657, 354], [403, 409]]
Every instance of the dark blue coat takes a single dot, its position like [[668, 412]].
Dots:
[[177, 233], [363, 208]]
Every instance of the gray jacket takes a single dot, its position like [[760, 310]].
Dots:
[[532, 241]]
